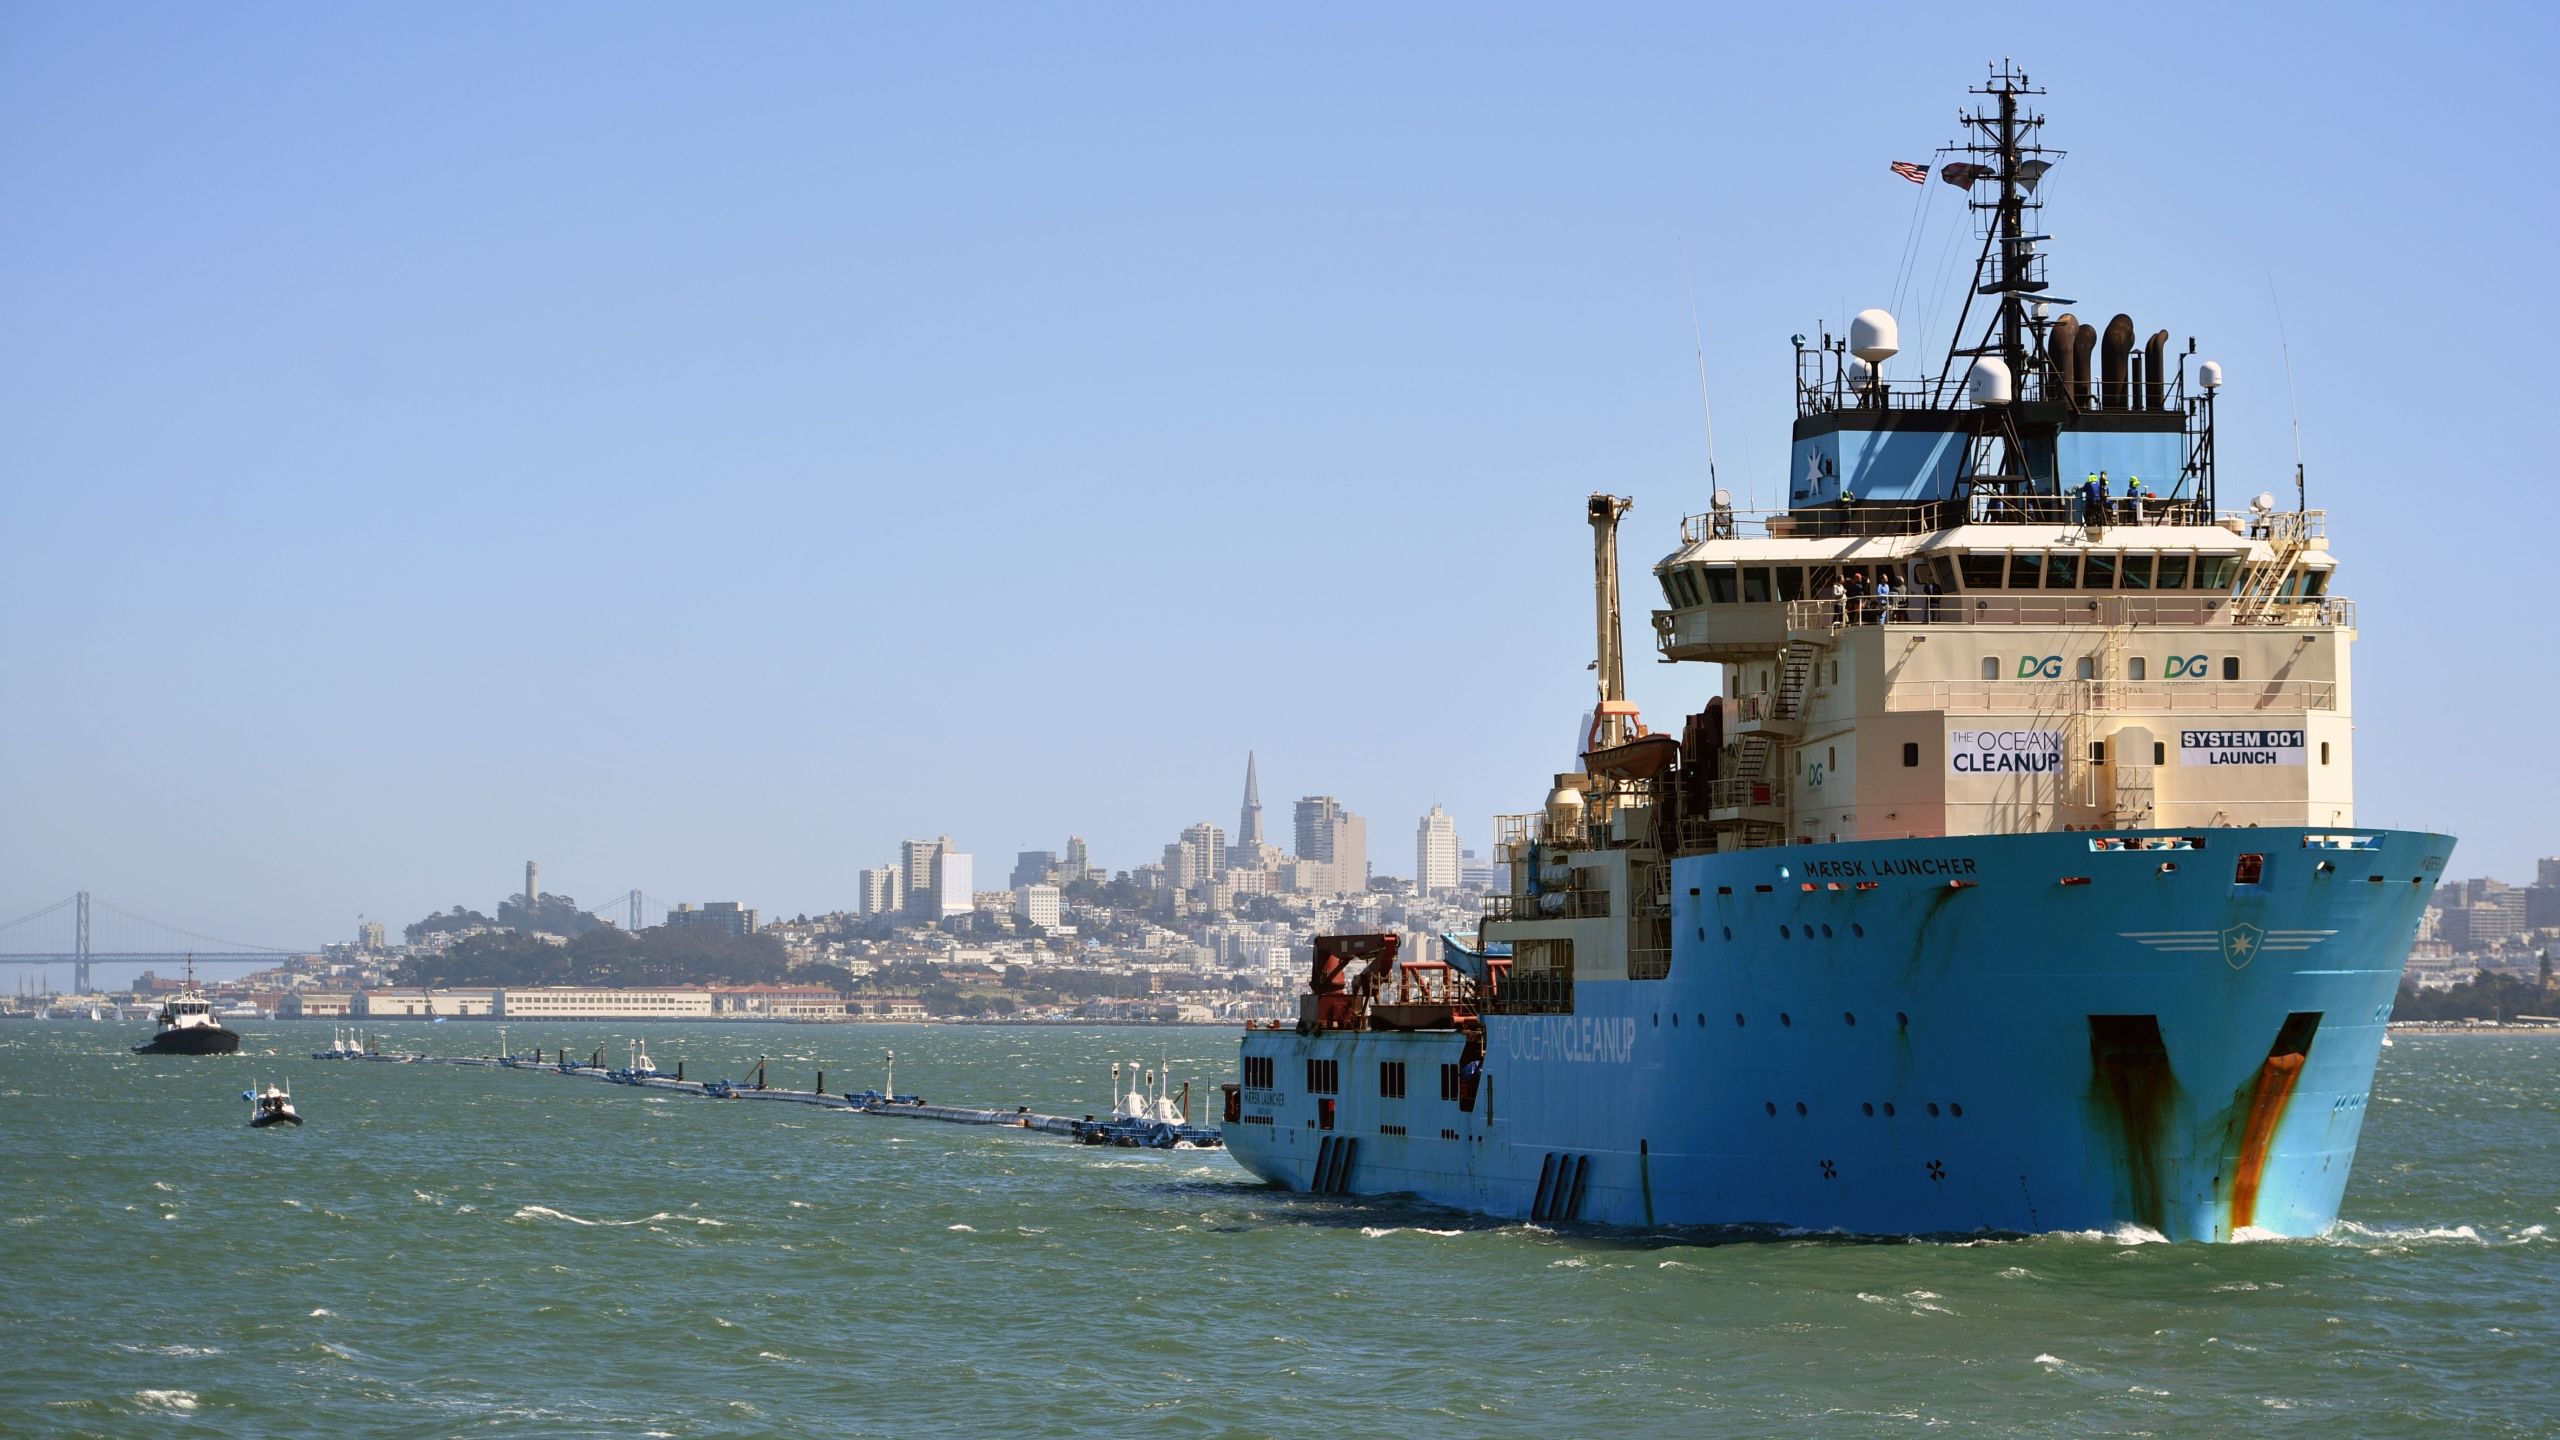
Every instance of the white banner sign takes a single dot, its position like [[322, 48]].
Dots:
[[2240, 747], [2004, 752]]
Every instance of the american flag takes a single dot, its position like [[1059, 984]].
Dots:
[[1916, 174]]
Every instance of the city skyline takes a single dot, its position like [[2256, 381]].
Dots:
[[365, 465]]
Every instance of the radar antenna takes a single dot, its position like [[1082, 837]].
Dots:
[[2007, 157]]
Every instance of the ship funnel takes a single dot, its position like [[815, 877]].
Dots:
[[2062, 352], [1989, 382], [2209, 374], [2112, 353], [1873, 337]]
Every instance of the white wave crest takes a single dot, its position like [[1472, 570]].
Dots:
[[175, 1402]]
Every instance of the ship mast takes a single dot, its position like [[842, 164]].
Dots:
[[2007, 163], [1613, 721]]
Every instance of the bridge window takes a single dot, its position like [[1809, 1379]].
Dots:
[[2173, 572], [2061, 571], [1720, 584], [1755, 585], [1790, 582], [2315, 584], [2216, 572], [2102, 572], [1990, 667], [2135, 572], [2023, 569], [1981, 572]]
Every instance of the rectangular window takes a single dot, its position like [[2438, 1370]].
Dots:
[[1981, 572], [2159, 752], [2086, 668], [1990, 667], [1755, 585], [1257, 1072], [1790, 582], [2023, 569], [2230, 667], [2135, 572], [1390, 1079], [2324, 752], [2062, 571], [2173, 572], [2097, 752], [1720, 585], [2315, 584], [1448, 1082], [2101, 573], [2216, 572], [1324, 1077], [1911, 754], [2137, 668]]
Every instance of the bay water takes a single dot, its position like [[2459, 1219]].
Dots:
[[450, 1251]]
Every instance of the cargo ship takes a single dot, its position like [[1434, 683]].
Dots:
[[2007, 879]]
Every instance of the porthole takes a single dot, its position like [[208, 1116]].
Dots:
[[1849, 1017], [1657, 1019], [1702, 1019], [1702, 934], [1728, 932], [1800, 1107], [1770, 1105], [1902, 1020], [1888, 1109], [1808, 934], [1933, 1109], [1955, 1109], [1857, 929], [1785, 934], [1826, 932], [1737, 1019], [1867, 1107], [1675, 1019], [1786, 1019]]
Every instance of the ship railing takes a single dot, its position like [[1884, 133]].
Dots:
[[1742, 794], [2072, 697], [1541, 993], [2059, 608], [1820, 522]]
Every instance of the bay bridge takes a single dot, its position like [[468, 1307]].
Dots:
[[85, 929]]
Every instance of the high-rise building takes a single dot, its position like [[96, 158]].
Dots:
[[916, 863], [1350, 852], [1034, 867], [953, 874], [884, 890], [369, 935], [1037, 905], [1315, 817], [1249, 819], [725, 917], [1210, 844], [1435, 854], [1077, 861]]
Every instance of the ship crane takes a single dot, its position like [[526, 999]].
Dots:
[[1613, 721]]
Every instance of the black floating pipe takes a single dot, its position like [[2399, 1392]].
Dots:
[[679, 1071], [2111, 360], [2084, 354], [822, 1082], [2064, 350], [2155, 371]]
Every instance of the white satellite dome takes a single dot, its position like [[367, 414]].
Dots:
[[1873, 337], [1858, 372], [1989, 382], [2209, 374]]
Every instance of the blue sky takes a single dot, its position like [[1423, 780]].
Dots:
[[698, 448]]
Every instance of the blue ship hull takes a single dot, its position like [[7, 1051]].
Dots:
[[1982, 1033]]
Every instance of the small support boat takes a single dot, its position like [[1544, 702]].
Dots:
[[270, 1105]]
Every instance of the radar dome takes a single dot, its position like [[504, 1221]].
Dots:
[[1989, 382], [1858, 372], [2210, 374], [1873, 337]]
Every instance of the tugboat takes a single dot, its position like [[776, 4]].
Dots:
[[188, 1026], [270, 1105], [2005, 876]]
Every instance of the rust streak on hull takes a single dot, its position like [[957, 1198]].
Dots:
[[2274, 1089]]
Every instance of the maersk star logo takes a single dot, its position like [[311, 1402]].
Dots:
[[2240, 945]]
